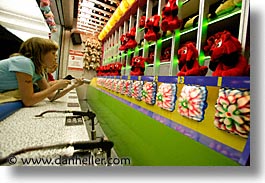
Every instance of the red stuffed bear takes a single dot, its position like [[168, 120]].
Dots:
[[142, 22], [226, 57], [131, 43], [165, 57], [117, 69], [188, 61], [152, 28], [123, 40], [170, 20], [138, 66]]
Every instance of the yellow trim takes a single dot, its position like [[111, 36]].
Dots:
[[219, 81]]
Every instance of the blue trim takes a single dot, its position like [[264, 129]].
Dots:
[[211, 143], [231, 82], [134, 78], [147, 78], [124, 77], [236, 82], [201, 80], [168, 79], [6, 109]]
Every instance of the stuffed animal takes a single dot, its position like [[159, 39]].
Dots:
[[170, 20], [226, 56], [225, 7], [99, 71], [123, 40], [192, 22], [142, 22], [117, 69], [51, 23], [188, 59], [45, 6], [131, 43], [151, 58], [165, 57], [152, 28], [138, 66]]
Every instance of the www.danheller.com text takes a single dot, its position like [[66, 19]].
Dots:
[[63, 160]]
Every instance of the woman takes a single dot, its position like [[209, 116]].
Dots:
[[21, 72]]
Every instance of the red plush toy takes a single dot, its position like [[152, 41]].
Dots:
[[99, 71], [131, 43], [188, 61], [152, 28], [170, 20], [138, 66], [123, 40], [166, 54], [226, 57], [117, 69], [142, 22], [151, 58]]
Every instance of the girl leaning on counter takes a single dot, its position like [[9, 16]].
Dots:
[[22, 70]]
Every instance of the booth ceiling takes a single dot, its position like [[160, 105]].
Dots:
[[92, 15]]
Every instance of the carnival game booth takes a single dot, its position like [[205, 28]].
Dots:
[[183, 93]]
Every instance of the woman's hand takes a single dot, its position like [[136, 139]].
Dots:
[[78, 82], [62, 83]]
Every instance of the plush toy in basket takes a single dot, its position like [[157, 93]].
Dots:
[[226, 57], [188, 61]]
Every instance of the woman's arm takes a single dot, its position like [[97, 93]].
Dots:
[[25, 86], [61, 93], [55, 95]]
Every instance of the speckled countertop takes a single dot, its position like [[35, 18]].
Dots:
[[23, 129]]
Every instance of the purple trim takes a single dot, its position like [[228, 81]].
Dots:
[[211, 143], [246, 153]]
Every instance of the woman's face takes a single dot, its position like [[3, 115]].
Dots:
[[49, 59]]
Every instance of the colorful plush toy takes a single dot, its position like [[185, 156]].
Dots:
[[137, 66], [226, 56], [49, 17], [188, 59], [152, 28], [45, 6], [170, 20]]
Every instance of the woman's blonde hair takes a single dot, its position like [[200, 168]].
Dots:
[[34, 48]]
